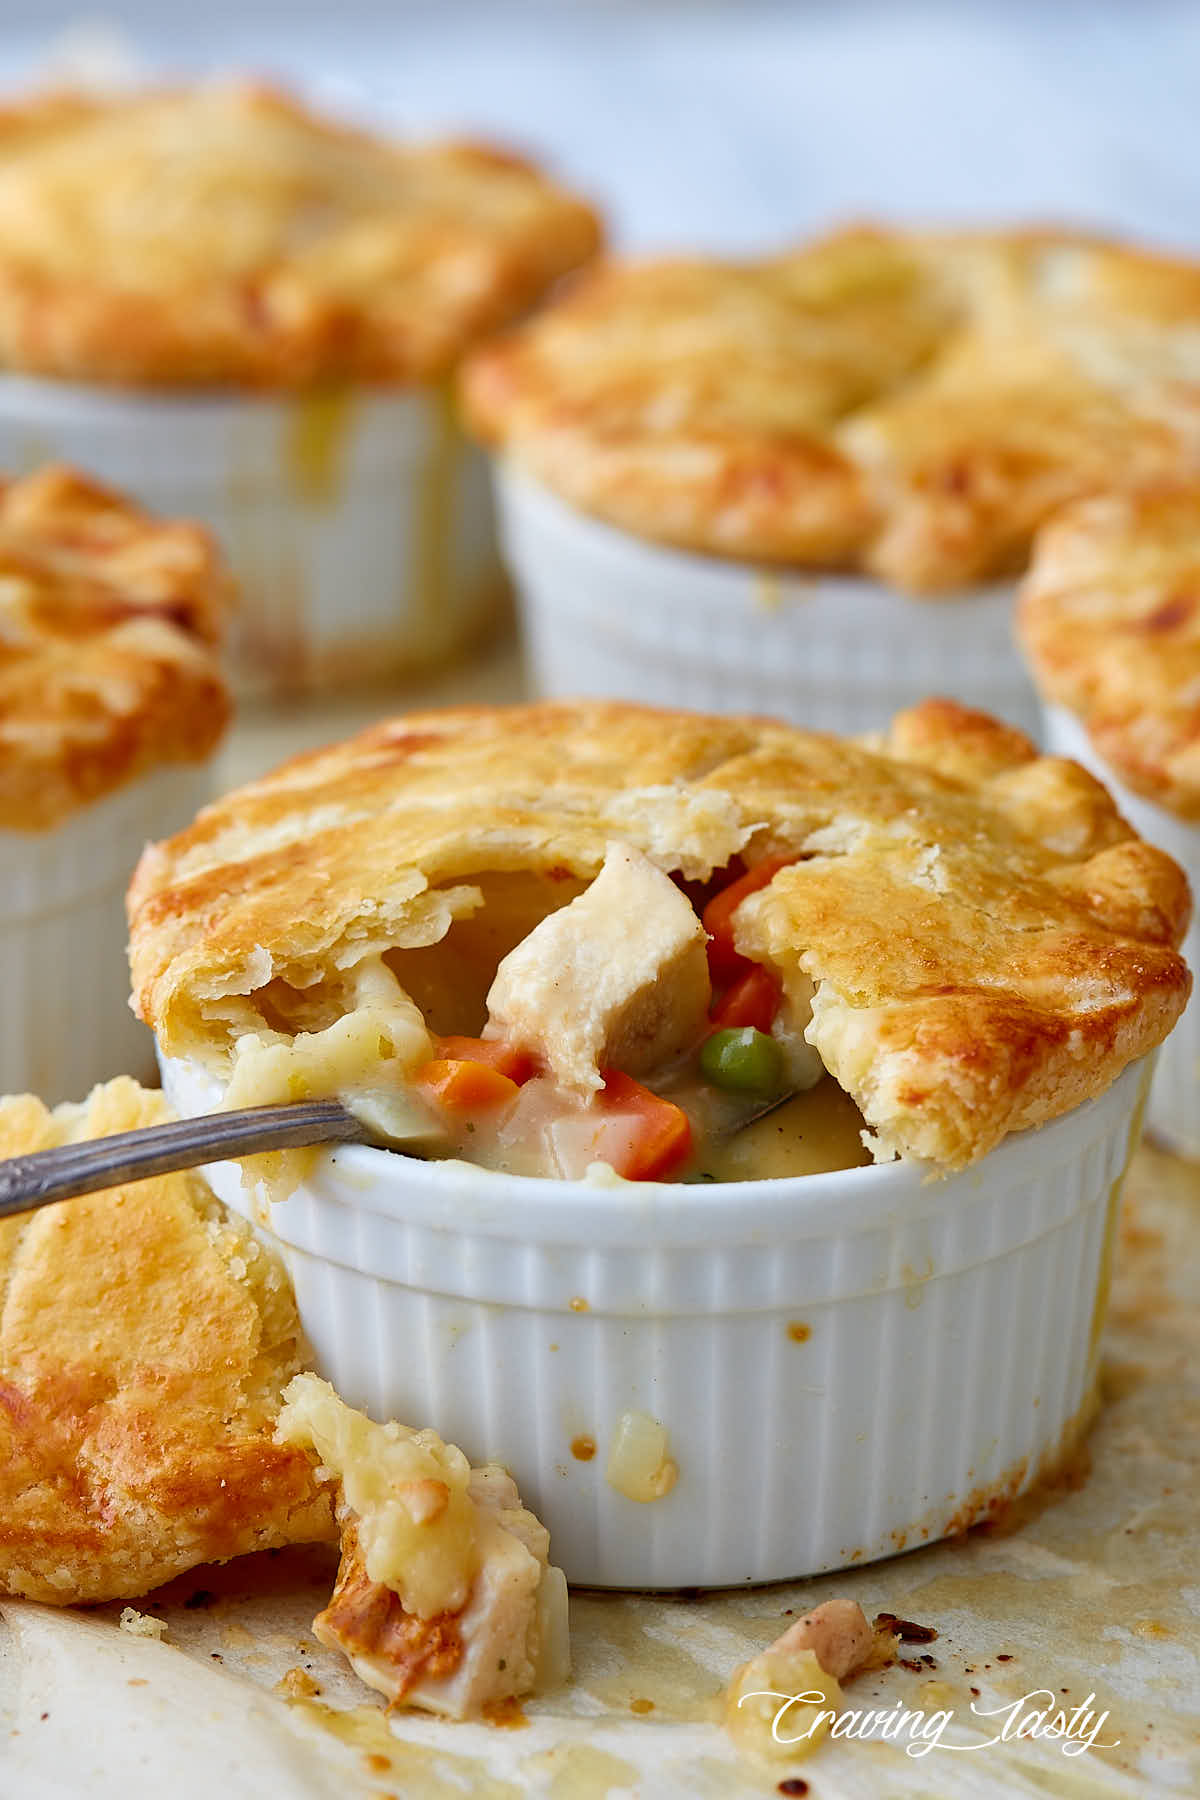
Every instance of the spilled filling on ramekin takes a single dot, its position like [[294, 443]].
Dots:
[[561, 1028]]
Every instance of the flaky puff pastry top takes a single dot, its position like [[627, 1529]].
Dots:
[[110, 622], [1110, 619], [225, 234], [909, 403], [990, 943]]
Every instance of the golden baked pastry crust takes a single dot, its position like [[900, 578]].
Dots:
[[224, 233], [1109, 616], [909, 403], [109, 626], [145, 1337], [990, 942]]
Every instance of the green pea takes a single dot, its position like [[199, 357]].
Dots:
[[744, 1060]]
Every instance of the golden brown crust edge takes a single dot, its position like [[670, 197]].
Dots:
[[723, 485], [109, 663], [948, 1059], [990, 942], [1109, 617], [396, 297]]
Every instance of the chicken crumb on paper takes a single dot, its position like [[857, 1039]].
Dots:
[[814, 1655]]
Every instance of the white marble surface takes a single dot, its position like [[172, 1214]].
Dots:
[[736, 124]]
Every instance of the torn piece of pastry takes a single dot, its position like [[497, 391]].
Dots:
[[446, 1598], [781, 1703], [964, 935], [145, 1338]]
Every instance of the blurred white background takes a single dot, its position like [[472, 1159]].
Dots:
[[734, 124]]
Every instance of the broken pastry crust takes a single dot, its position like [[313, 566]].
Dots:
[[225, 233], [145, 1339], [989, 941], [1110, 618], [912, 403], [445, 1597], [110, 623]]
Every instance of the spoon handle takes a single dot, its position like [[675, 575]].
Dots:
[[44, 1176]]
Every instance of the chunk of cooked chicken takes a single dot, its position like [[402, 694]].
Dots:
[[837, 1634], [445, 1598], [781, 1703], [616, 979]]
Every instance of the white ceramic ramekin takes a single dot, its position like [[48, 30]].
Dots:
[[1173, 1113], [358, 523], [846, 1365], [65, 1021], [607, 613]]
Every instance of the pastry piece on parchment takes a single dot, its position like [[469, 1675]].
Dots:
[[145, 1337]]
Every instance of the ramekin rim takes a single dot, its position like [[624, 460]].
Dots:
[[109, 401], [350, 1174]]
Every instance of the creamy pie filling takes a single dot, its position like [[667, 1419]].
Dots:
[[556, 1026]]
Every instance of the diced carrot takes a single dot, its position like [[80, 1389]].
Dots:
[[517, 1064], [753, 1000], [464, 1086], [641, 1135], [725, 963]]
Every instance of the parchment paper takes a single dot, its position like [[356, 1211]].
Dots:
[[1090, 1587]]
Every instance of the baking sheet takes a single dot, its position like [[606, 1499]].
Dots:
[[1091, 1587]]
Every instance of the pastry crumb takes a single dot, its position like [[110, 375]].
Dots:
[[297, 1684], [139, 1624]]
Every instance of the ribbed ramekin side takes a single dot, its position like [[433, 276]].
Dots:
[[65, 1023], [808, 1434], [606, 614]]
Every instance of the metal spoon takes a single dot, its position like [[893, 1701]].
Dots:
[[70, 1169], [43, 1176]]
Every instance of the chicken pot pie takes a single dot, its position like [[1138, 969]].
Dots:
[[110, 625], [251, 312], [569, 935], [112, 702], [225, 234], [911, 403]]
